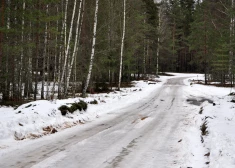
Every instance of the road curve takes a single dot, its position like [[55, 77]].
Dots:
[[144, 135]]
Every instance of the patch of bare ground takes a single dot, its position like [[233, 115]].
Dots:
[[210, 83], [46, 131], [143, 118], [140, 118]]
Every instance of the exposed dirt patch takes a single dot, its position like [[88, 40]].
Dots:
[[143, 118], [140, 118]]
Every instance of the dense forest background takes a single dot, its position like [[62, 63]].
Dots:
[[58, 48]]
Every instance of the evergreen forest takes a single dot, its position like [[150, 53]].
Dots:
[[53, 49]]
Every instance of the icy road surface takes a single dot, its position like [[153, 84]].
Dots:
[[144, 135]]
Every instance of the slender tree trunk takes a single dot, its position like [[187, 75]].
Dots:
[[147, 51], [37, 41], [22, 52], [44, 58], [145, 55], [48, 58], [231, 53], [61, 55], [2, 24], [75, 46], [65, 23], [158, 40], [2, 11], [92, 50], [68, 46], [122, 44], [173, 41], [55, 77], [110, 38], [6, 93], [205, 49], [15, 64]]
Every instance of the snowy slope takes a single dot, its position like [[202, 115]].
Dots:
[[218, 114], [35, 119]]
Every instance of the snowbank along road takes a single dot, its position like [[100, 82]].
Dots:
[[146, 134]]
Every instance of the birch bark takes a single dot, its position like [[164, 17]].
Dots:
[[92, 51], [63, 37], [75, 47], [68, 43], [122, 45]]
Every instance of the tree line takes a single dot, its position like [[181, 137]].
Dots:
[[198, 36], [57, 48]]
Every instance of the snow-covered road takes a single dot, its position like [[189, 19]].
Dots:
[[146, 134]]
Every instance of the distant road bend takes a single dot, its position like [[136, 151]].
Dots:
[[144, 135]]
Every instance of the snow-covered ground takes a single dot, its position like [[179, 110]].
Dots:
[[207, 104], [217, 146], [38, 118]]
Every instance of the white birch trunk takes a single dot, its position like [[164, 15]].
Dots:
[[122, 45], [65, 23], [75, 46], [63, 35], [92, 51], [68, 43]]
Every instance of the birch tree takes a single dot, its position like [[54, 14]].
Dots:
[[75, 46], [68, 43], [92, 50], [122, 44], [63, 36]]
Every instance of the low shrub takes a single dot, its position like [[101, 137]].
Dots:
[[83, 105], [64, 109], [75, 106], [94, 102]]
